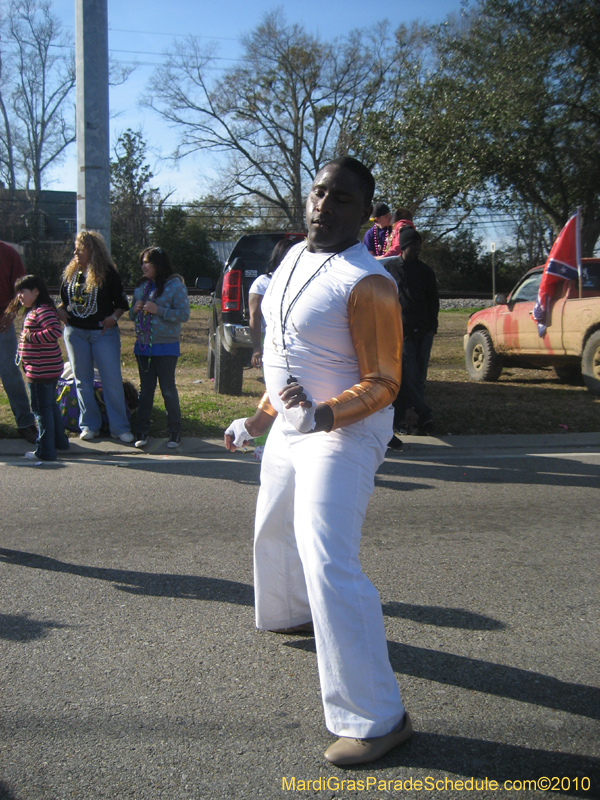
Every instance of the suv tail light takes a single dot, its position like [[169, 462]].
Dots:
[[231, 295]]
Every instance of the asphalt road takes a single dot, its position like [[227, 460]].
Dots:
[[131, 667]]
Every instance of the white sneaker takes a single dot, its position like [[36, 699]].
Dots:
[[174, 441], [86, 435], [142, 442], [126, 437], [30, 454]]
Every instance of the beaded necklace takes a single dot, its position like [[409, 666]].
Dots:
[[80, 304], [379, 251], [143, 324], [19, 353]]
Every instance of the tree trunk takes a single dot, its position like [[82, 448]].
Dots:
[[10, 161], [589, 236]]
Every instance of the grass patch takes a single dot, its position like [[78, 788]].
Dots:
[[522, 401]]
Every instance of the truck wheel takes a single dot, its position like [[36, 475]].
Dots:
[[482, 361], [590, 363], [229, 370], [210, 354], [210, 362], [569, 374]]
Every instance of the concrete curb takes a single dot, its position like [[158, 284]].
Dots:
[[110, 447], [432, 445]]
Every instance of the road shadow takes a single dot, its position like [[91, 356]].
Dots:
[[451, 466], [21, 628], [202, 588], [400, 486], [443, 617], [152, 584], [480, 759], [239, 470], [486, 677], [35, 465], [5, 792], [446, 465]]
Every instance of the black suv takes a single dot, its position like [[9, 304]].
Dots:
[[229, 340]]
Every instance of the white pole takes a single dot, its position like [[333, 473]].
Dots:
[[578, 247], [93, 156]]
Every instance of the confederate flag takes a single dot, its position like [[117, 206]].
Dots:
[[563, 264]]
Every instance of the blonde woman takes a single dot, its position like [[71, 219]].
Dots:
[[92, 301]]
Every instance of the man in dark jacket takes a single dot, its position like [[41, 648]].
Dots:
[[11, 268], [418, 295]]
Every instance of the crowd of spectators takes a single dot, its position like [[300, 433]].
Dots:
[[92, 299]]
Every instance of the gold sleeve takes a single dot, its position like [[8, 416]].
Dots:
[[376, 329], [265, 405]]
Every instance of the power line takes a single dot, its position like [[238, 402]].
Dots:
[[127, 52], [176, 35], [482, 216], [137, 63], [154, 53], [164, 33]]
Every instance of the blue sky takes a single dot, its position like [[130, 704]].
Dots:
[[151, 32]]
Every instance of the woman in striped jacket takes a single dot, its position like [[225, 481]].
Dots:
[[40, 354]]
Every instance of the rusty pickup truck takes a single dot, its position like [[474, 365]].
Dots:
[[506, 333]]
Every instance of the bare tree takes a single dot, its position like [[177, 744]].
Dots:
[[293, 103], [43, 78], [37, 76], [7, 149], [221, 218]]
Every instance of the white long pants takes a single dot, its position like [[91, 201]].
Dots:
[[312, 502]]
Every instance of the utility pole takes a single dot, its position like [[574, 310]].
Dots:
[[493, 251], [93, 156]]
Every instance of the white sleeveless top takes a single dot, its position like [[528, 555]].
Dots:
[[320, 351]]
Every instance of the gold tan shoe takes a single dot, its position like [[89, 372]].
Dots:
[[348, 751]]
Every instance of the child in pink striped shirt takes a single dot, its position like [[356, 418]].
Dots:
[[40, 354]]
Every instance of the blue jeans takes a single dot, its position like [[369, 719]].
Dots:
[[86, 348], [416, 350], [12, 379], [51, 431], [163, 369]]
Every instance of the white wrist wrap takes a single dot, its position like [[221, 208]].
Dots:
[[238, 430]]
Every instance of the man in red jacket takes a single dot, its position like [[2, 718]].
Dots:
[[11, 268]]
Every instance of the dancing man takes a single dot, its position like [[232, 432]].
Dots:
[[332, 362]]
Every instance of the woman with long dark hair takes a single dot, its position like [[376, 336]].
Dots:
[[160, 306], [92, 301], [41, 357]]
